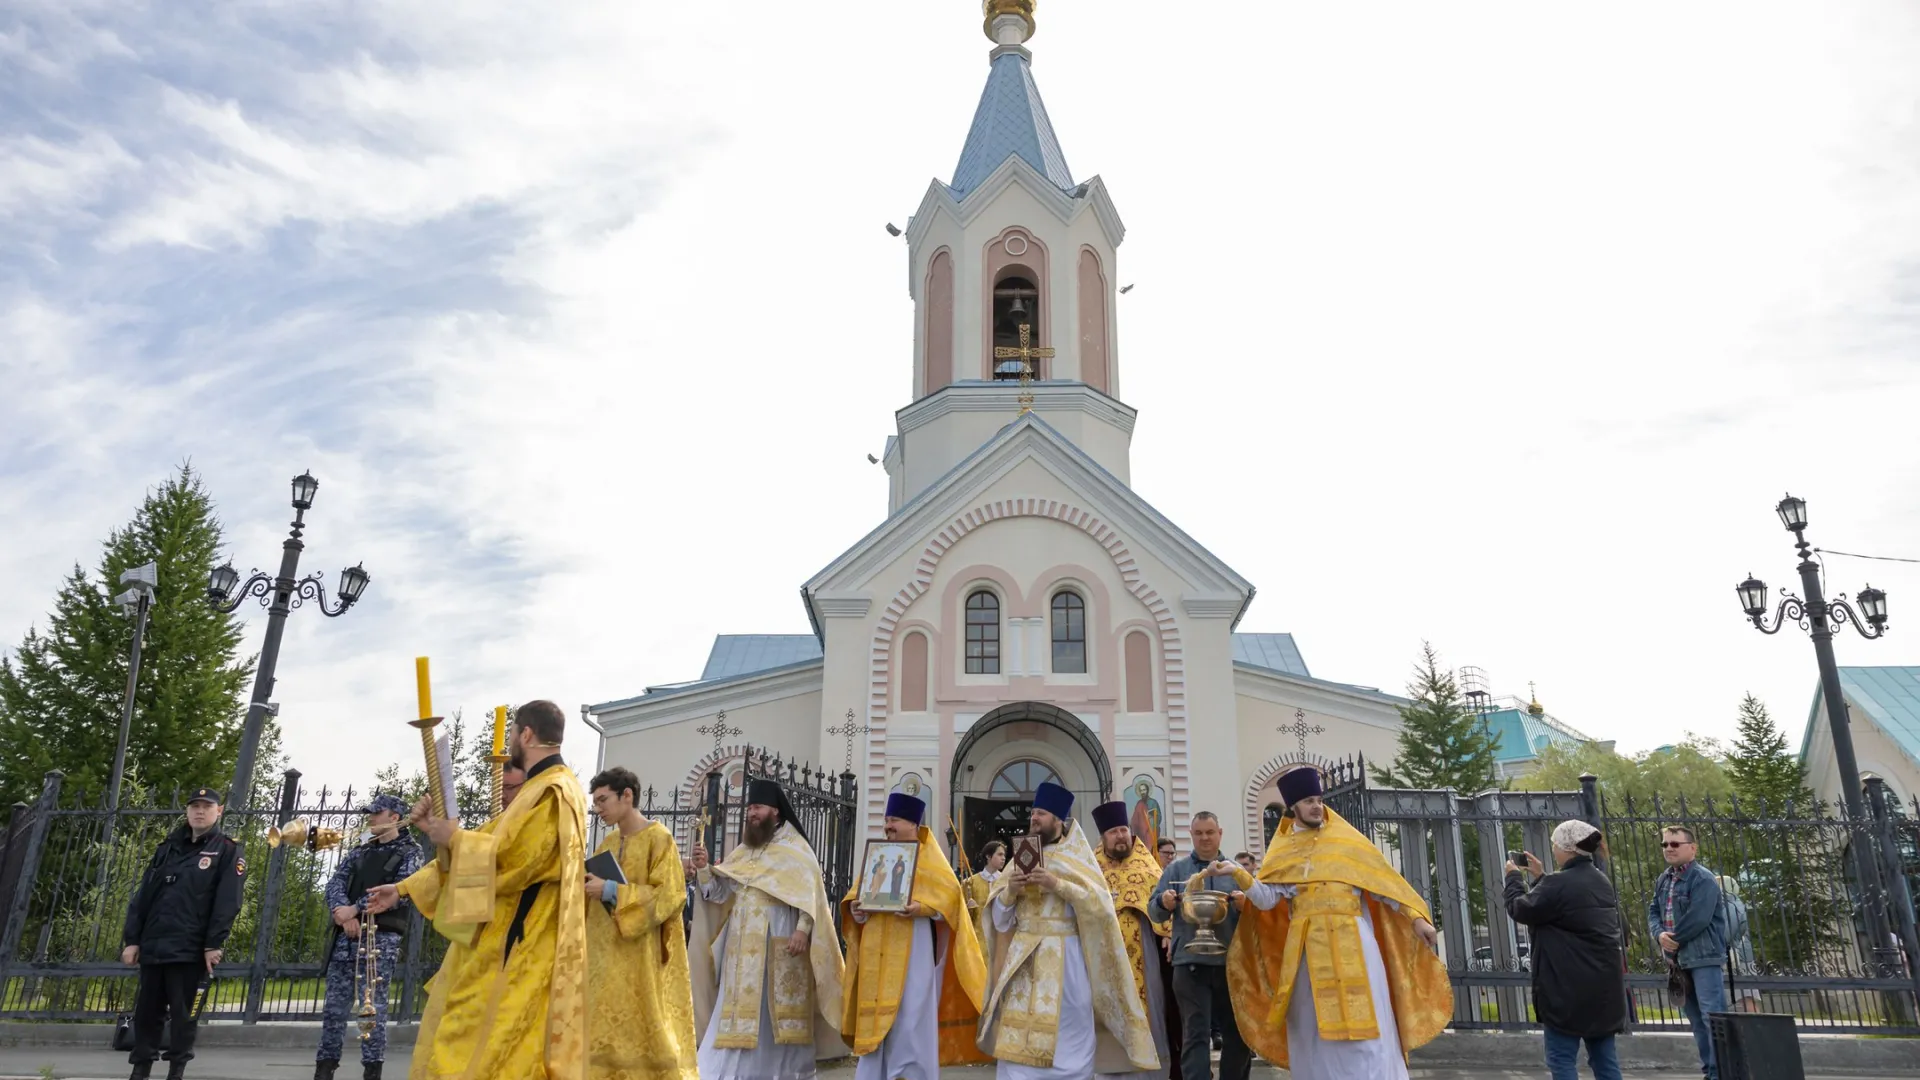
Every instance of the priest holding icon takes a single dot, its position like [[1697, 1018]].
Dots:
[[914, 976], [1062, 997]]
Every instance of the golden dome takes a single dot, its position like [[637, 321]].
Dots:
[[996, 8]]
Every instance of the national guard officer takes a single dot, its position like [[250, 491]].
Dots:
[[177, 925], [387, 855]]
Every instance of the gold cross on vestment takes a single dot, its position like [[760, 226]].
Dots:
[[1026, 352]]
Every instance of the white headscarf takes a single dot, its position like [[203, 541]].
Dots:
[[1568, 834]]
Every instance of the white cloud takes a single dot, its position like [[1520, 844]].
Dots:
[[1498, 327]]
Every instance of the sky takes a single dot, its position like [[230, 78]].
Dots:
[[1500, 326]]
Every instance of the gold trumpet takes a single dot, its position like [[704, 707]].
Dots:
[[301, 833]]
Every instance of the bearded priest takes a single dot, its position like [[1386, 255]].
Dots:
[[1131, 871], [766, 986], [912, 976], [1062, 1003], [1340, 980]]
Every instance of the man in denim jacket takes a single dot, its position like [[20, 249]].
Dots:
[[1688, 921]]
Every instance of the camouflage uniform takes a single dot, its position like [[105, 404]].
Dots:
[[341, 1004]]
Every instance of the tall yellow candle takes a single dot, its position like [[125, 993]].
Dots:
[[499, 729], [421, 688]]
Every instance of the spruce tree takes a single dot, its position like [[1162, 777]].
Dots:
[[1443, 744], [1765, 773], [61, 691]]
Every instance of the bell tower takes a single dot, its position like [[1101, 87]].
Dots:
[[1011, 269]]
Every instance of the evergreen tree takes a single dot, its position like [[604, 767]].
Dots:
[[472, 774], [61, 691], [1443, 744], [1765, 773]]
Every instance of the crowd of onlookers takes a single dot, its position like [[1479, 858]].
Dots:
[[1579, 947]]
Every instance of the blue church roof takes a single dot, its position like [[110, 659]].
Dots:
[[744, 654], [1275, 652], [1891, 698], [1523, 735], [1010, 122]]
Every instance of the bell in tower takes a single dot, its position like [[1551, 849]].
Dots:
[[1015, 304]]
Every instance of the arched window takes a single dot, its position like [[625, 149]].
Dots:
[[1270, 820], [1019, 779], [1016, 303], [983, 633], [1069, 633]]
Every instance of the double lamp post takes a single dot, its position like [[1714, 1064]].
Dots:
[[279, 593], [1820, 617]]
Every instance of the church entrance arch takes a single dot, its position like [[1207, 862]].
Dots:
[[1011, 751]]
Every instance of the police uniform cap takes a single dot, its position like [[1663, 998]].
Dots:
[[204, 794]]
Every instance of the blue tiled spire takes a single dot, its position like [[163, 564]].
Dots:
[[1010, 122]]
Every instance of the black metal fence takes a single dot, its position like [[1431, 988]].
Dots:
[[70, 866], [1820, 946]]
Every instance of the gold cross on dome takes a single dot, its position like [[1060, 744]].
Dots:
[[1026, 352]]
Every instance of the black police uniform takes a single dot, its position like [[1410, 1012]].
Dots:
[[186, 906]]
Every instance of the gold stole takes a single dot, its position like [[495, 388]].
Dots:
[[1131, 880], [878, 952], [749, 962], [1322, 924]]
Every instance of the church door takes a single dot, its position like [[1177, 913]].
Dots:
[[993, 819]]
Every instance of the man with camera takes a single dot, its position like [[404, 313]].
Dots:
[[1579, 978]]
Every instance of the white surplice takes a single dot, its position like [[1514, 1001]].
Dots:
[[1312, 1058], [769, 1060], [1073, 1044], [911, 1050], [1155, 1004]]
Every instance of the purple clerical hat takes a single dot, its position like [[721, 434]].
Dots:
[[1110, 815], [1297, 784], [902, 805], [1054, 799]]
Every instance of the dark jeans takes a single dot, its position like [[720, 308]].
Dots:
[[1172, 1009], [166, 992], [1201, 990], [1709, 995], [1563, 1056]]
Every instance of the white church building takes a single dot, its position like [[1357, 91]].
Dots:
[[1020, 613]]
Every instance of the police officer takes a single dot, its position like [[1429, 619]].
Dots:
[[177, 925], [387, 855]]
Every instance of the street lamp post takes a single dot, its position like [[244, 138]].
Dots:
[[279, 594], [137, 601], [1820, 617]]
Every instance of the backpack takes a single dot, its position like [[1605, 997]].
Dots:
[[1736, 921]]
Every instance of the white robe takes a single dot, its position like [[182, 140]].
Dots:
[[769, 1060], [1073, 1044], [911, 1050], [1313, 1058], [1156, 1005]]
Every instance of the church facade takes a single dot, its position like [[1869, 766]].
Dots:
[[1020, 614]]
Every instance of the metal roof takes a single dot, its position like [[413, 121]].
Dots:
[[744, 654], [1275, 652], [1891, 698], [1523, 735], [1011, 121]]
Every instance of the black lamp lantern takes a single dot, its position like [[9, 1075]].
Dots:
[[352, 581], [304, 486], [221, 581], [1753, 596], [1793, 513], [1873, 604]]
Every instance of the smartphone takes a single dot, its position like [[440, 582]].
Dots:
[[1518, 858]]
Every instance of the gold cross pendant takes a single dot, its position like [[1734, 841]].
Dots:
[[1026, 353]]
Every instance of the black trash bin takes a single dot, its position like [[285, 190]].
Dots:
[[1756, 1046]]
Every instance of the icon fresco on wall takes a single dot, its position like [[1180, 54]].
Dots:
[[912, 784], [1145, 808]]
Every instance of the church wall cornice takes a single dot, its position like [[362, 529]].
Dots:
[[986, 397], [676, 708]]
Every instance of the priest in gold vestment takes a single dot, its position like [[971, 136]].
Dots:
[[766, 962], [1131, 871], [509, 1001], [1061, 999], [640, 1002], [915, 979], [1341, 979]]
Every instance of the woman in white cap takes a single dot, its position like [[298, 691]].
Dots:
[[1579, 978]]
